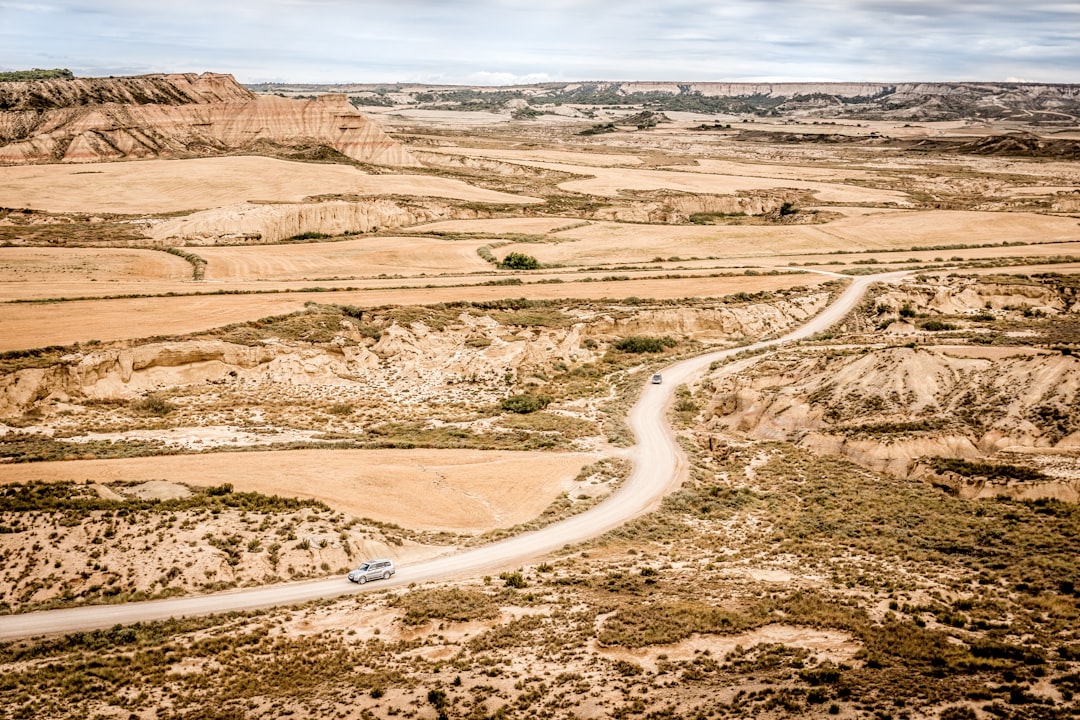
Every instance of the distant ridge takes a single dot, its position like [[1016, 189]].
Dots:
[[1037, 103]]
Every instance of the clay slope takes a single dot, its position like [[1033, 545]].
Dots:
[[888, 408], [87, 120]]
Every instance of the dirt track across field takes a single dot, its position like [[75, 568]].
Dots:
[[659, 468]]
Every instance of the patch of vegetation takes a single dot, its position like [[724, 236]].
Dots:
[[453, 604], [519, 261], [990, 471], [937, 325], [72, 497], [567, 428], [153, 405], [37, 74], [38, 228], [198, 263], [637, 344], [524, 404], [662, 623], [599, 129]]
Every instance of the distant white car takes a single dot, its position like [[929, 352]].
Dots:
[[382, 569], [656, 379]]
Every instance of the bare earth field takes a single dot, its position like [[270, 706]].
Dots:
[[160, 186], [335, 361], [350, 258], [437, 490]]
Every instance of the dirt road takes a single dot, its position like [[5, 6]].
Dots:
[[659, 468]]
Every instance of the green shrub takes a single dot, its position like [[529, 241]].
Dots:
[[640, 344], [524, 404], [154, 405], [519, 261], [988, 470], [37, 74], [513, 579], [936, 325]]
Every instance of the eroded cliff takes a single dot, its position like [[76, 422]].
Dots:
[[93, 119]]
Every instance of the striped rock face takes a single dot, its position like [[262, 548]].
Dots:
[[92, 119]]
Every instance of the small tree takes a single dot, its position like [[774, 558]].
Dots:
[[519, 261]]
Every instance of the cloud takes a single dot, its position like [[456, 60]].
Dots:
[[504, 78], [485, 41]]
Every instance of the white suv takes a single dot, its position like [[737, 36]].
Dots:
[[373, 570]]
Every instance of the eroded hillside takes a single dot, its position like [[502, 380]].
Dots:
[[436, 376], [93, 119], [968, 368]]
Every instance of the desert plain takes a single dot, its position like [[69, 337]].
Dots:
[[261, 364]]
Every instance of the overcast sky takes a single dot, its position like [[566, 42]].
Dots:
[[506, 41]]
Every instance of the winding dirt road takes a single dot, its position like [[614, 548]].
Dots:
[[659, 468]]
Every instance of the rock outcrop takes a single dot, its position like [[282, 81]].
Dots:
[[94, 119], [267, 223]]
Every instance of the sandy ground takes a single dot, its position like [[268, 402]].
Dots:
[[784, 172], [349, 258], [572, 157], [52, 265], [164, 186], [24, 326], [463, 491], [608, 182], [880, 230], [528, 225]]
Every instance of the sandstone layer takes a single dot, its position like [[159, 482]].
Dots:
[[87, 120]]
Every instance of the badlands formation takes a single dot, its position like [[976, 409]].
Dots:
[[175, 116], [253, 336]]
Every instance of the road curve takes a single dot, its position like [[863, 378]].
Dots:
[[659, 468]]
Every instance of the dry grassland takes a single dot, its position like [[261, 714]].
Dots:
[[884, 230], [53, 267], [349, 258], [167, 186]]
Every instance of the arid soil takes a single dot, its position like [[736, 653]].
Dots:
[[878, 522], [465, 492], [163, 186]]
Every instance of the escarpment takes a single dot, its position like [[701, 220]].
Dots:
[[268, 223], [187, 115]]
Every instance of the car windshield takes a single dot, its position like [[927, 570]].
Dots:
[[365, 566]]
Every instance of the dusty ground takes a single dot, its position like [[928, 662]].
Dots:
[[436, 490], [167, 186]]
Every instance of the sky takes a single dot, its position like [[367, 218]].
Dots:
[[495, 42]]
